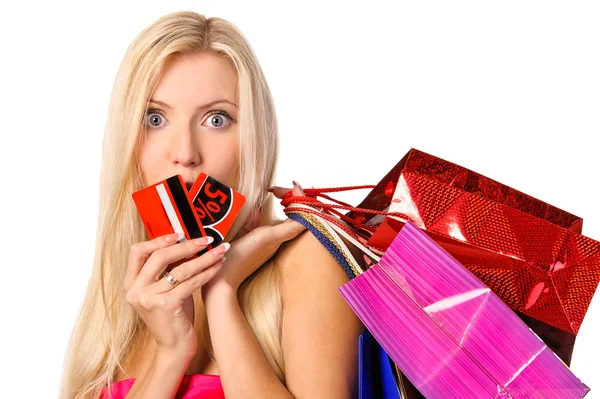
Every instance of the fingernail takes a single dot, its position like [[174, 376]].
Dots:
[[174, 237], [204, 240], [221, 249], [296, 184]]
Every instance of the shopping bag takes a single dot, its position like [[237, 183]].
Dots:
[[448, 332], [376, 374]]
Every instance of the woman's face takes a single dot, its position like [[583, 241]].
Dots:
[[191, 123]]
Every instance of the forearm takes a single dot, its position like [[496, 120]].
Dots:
[[244, 370], [160, 378]]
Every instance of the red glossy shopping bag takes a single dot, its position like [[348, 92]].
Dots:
[[528, 252]]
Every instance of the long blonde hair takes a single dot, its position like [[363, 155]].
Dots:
[[107, 329]]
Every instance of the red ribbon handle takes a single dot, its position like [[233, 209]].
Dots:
[[310, 198]]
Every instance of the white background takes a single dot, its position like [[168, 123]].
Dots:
[[509, 89]]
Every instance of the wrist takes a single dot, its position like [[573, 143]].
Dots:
[[219, 296], [218, 289], [173, 358], [161, 378]]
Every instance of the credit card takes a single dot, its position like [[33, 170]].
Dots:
[[165, 208], [216, 204]]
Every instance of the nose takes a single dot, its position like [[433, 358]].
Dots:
[[184, 149]]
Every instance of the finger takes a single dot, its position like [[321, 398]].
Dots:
[[287, 230], [192, 284], [279, 192], [141, 251], [163, 257], [189, 269], [297, 190]]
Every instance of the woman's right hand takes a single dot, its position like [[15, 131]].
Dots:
[[167, 310]]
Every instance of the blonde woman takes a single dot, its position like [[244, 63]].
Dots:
[[259, 316]]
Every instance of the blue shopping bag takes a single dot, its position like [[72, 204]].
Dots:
[[375, 374]]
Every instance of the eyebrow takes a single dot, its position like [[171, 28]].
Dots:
[[201, 107]]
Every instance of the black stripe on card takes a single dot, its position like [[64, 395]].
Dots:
[[183, 206]]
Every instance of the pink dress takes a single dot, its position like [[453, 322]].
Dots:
[[193, 386]]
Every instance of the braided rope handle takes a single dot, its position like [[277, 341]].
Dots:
[[310, 199], [359, 233], [336, 228]]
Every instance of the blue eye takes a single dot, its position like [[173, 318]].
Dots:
[[154, 114], [217, 116]]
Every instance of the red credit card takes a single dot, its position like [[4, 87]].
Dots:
[[165, 208], [216, 204]]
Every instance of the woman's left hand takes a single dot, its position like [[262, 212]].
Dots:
[[252, 250]]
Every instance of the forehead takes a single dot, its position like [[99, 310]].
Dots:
[[191, 79]]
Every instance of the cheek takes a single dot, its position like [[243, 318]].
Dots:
[[149, 163], [232, 156], [226, 162]]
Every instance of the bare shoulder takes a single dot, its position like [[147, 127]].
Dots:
[[320, 331], [305, 255]]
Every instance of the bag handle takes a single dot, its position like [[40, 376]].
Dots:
[[309, 198], [335, 229]]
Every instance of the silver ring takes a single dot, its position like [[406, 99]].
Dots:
[[172, 280]]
